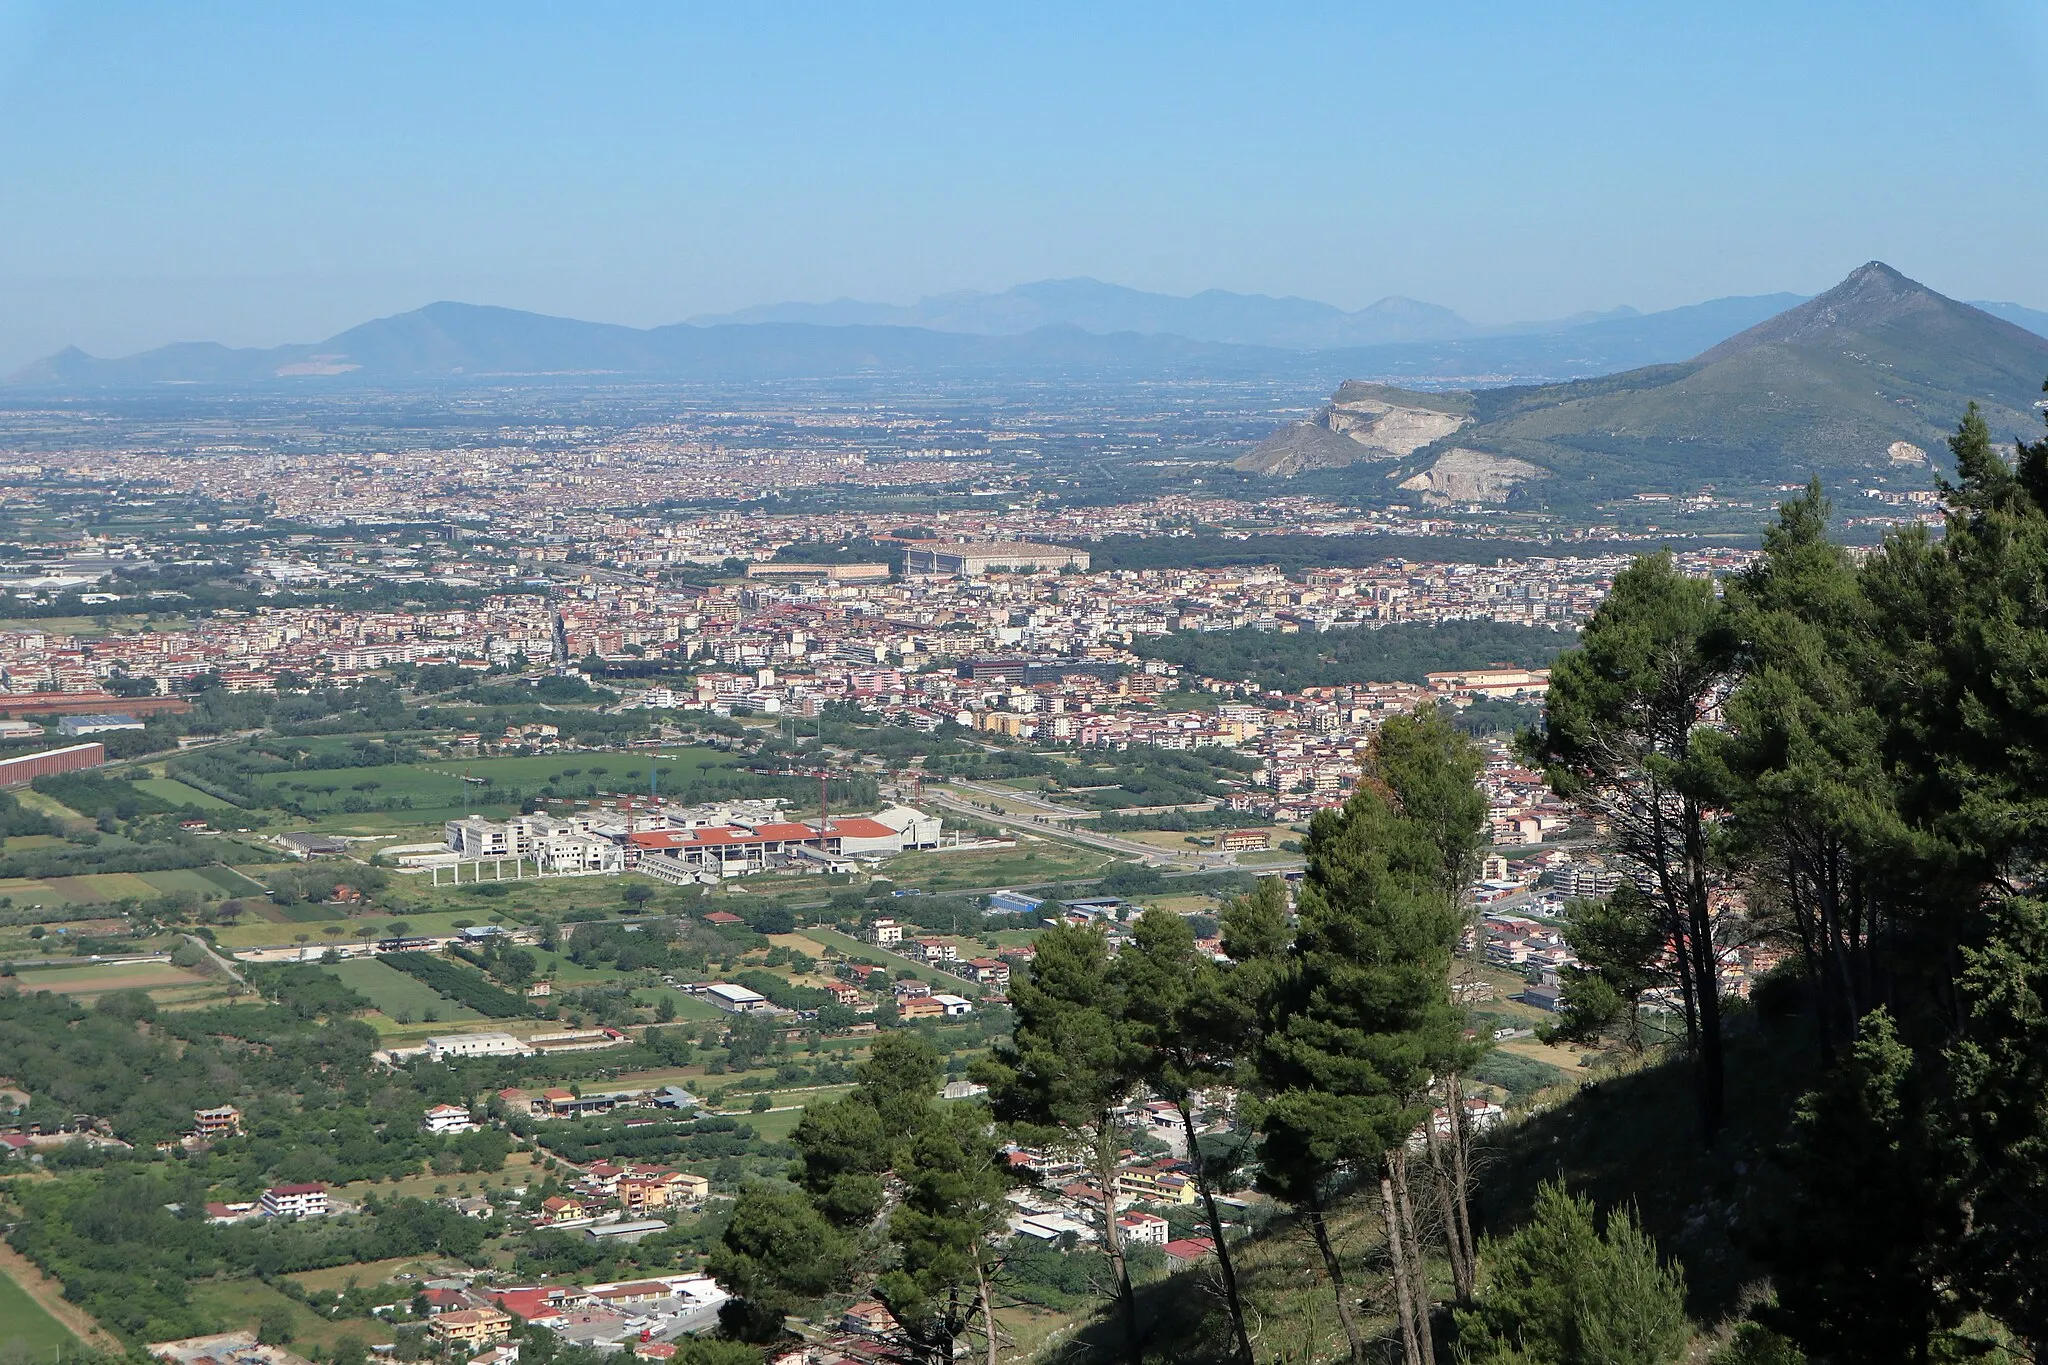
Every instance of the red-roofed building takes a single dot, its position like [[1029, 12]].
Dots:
[[527, 1304], [746, 847], [1184, 1251]]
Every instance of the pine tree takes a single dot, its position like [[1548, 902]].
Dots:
[[2001, 1103], [1357, 1026], [1188, 1026], [777, 1250], [1067, 1070], [1562, 1291], [1624, 720], [1620, 944], [954, 1182], [1812, 807], [1857, 1251]]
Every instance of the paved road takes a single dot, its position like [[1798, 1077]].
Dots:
[[1208, 862], [124, 960], [223, 963]]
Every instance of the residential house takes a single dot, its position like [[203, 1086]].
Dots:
[[295, 1201], [471, 1327]]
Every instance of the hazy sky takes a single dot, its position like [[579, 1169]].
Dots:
[[264, 172]]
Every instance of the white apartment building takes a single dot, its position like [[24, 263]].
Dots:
[[447, 1118], [561, 846], [295, 1201]]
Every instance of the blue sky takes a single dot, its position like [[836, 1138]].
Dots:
[[256, 173]]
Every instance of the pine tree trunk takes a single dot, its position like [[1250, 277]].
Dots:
[[988, 1305], [1440, 1168], [1458, 1195], [1335, 1269], [1223, 1262], [1418, 1265], [1403, 1300], [1113, 1241], [1707, 974]]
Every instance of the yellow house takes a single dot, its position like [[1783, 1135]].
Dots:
[[472, 1327], [1148, 1185]]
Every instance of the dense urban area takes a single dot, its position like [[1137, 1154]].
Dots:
[[858, 880]]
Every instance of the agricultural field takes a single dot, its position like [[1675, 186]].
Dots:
[[26, 1324], [31, 799], [398, 997], [261, 933], [519, 1170], [95, 888], [88, 982], [177, 793], [1027, 864], [435, 789]]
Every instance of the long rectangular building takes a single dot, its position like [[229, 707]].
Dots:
[[971, 559], [16, 772], [738, 848]]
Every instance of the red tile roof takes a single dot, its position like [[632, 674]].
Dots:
[[860, 827]]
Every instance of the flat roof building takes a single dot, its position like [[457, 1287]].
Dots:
[[490, 1044], [735, 999], [971, 559]]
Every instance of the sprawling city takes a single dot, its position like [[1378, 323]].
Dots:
[[1052, 824]]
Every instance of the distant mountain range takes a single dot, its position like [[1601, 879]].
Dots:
[[1075, 328], [1871, 375], [1212, 315]]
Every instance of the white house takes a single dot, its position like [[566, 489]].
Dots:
[[295, 1201], [954, 1004], [448, 1118], [1142, 1229]]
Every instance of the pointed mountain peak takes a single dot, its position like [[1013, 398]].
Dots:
[[1873, 298]]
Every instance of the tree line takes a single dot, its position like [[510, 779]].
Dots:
[[1843, 757]]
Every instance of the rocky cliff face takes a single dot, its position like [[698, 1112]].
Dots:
[[1463, 476], [1363, 422]]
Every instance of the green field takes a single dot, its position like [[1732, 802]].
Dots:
[[23, 1323], [1026, 864], [178, 794], [395, 993], [437, 790], [97, 978], [229, 880], [97, 888], [239, 1304]]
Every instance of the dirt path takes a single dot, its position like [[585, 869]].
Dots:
[[50, 1295]]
